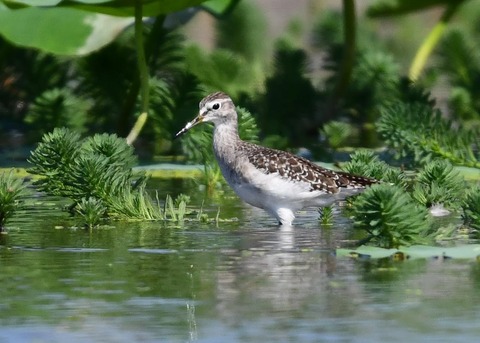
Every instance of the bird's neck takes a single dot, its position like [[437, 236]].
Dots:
[[225, 141]]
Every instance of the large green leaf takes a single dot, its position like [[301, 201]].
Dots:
[[124, 8], [77, 27], [219, 7], [62, 31], [468, 251], [385, 8], [26, 3]]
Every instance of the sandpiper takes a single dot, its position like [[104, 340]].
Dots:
[[274, 180]]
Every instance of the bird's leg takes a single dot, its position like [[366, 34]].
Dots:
[[284, 215]]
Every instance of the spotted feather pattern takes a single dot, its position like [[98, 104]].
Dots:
[[296, 168]]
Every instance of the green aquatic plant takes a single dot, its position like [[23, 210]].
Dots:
[[326, 216], [389, 216], [418, 130], [53, 159], [471, 208], [211, 177], [12, 189], [92, 211], [175, 209], [244, 32], [58, 107], [222, 69], [276, 106], [366, 163], [438, 183], [98, 166], [337, 133], [459, 61], [97, 174]]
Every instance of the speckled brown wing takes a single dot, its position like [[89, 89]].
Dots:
[[296, 168]]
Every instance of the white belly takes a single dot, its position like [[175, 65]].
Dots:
[[270, 191]]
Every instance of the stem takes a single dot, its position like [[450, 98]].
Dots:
[[425, 50], [123, 124], [151, 46], [349, 26], [348, 58], [143, 73]]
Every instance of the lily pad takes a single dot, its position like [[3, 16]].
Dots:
[[467, 251], [366, 251]]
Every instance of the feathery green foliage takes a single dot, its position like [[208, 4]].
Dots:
[[326, 215], [389, 216], [385, 8], [212, 176], [288, 113], [247, 126], [237, 65], [53, 159], [410, 92], [386, 211], [243, 32], [459, 60], [327, 30], [25, 75], [221, 70], [99, 92], [12, 190], [471, 208], [98, 167], [337, 133], [374, 72], [96, 174], [374, 80], [366, 163], [171, 105], [419, 131], [106, 76], [438, 183], [56, 108], [92, 210]]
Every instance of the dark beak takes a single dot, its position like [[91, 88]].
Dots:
[[198, 119]]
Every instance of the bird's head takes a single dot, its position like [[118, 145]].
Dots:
[[216, 108]]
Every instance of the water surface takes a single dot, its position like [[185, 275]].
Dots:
[[240, 281]]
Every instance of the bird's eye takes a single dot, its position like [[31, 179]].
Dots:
[[216, 106]]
